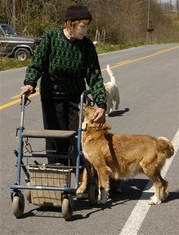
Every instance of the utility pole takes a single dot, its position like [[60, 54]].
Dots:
[[148, 19]]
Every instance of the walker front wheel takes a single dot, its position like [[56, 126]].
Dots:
[[18, 204], [67, 207]]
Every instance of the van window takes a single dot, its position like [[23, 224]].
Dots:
[[8, 30]]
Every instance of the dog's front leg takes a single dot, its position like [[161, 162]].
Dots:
[[84, 182]]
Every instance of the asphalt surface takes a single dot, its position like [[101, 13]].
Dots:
[[148, 81]]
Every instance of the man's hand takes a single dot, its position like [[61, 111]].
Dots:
[[28, 89], [99, 116]]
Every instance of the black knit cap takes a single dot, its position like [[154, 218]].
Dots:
[[77, 12]]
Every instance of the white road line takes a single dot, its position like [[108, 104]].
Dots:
[[139, 212]]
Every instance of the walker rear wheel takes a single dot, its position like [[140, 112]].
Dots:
[[18, 204], [67, 206], [93, 194]]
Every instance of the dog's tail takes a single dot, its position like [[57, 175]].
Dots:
[[167, 146], [113, 80]]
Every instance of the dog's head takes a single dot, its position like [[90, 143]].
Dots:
[[88, 113]]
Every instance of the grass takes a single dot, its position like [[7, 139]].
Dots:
[[11, 63], [104, 48]]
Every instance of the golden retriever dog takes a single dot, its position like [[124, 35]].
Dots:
[[112, 92], [121, 156]]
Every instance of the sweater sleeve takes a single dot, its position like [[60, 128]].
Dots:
[[39, 61], [94, 77]]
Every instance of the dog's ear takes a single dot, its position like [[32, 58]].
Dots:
[[93, 125], [106, 126]]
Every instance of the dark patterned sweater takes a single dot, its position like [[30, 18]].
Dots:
[[63, 66]]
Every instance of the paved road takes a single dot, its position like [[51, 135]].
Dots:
[[148, 80]]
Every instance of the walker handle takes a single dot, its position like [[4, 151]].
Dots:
[[25, 100]]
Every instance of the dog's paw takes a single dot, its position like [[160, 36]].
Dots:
[[81, 189], [104, 197], [81, 193], [154, 200]]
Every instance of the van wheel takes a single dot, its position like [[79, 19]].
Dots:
[[21, 54]]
